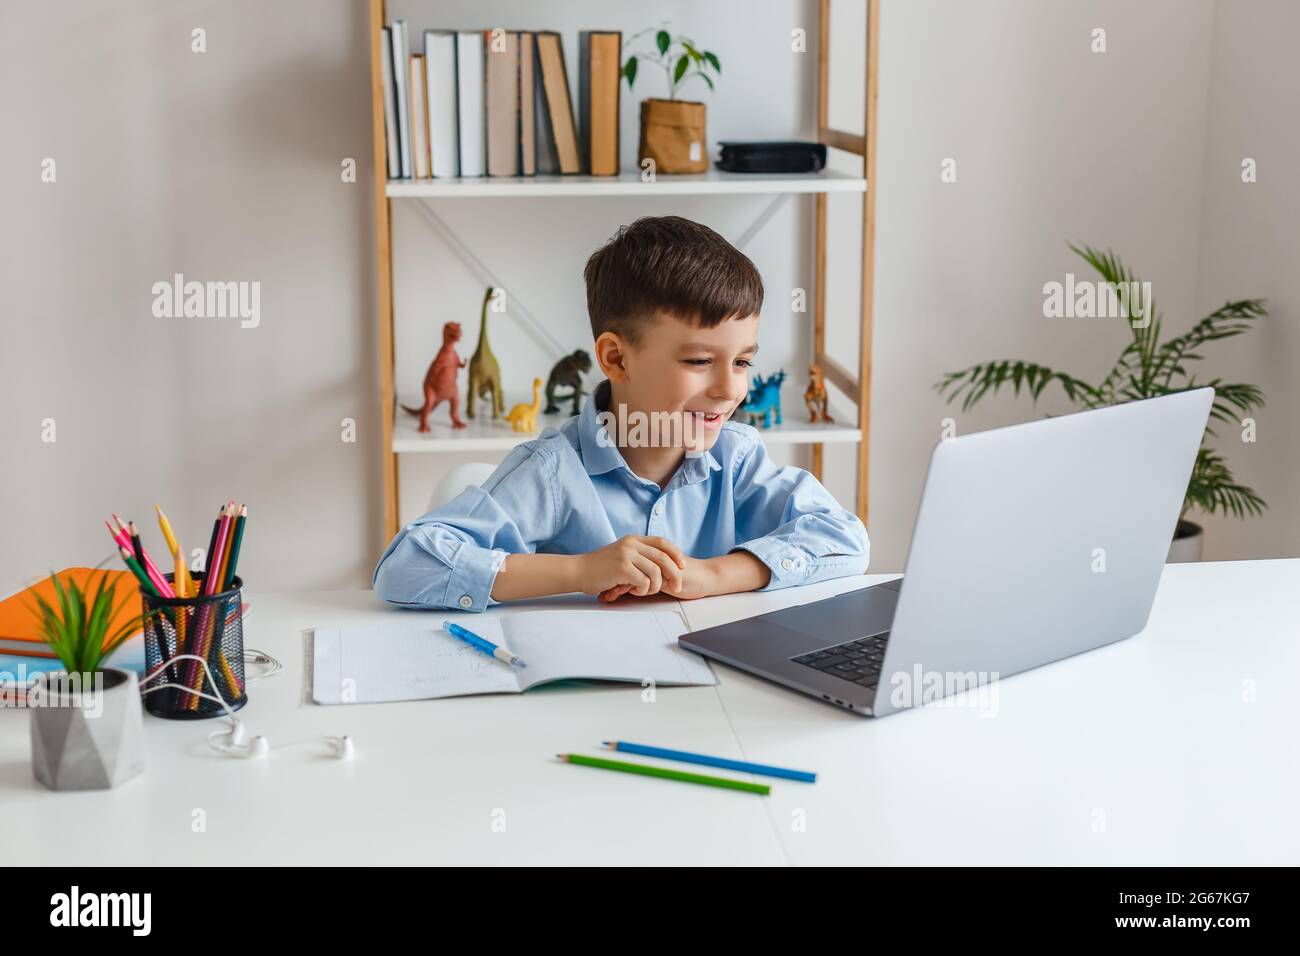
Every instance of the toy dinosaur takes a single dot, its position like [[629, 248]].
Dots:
[[815, 397], [523, 417], [568, 373], [484, 372], [440, 380], [764, 400]]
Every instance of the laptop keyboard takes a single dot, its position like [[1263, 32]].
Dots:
[[858, 662]]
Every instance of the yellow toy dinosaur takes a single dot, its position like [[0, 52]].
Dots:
[[523, 417]]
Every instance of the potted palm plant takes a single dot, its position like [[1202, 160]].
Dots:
[[673, 130], [86, 723], [1147, 367]]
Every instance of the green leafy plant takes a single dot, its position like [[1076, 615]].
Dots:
[[679, 57], [78, 629], [1145, 368]]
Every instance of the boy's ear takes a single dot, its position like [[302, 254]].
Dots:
[[611, 355]]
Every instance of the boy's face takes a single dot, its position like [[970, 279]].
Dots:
[[677, 367]]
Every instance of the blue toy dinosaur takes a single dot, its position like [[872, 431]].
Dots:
[[764, 400]]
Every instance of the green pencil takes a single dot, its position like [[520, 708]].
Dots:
[[667, 774], [145, 584]]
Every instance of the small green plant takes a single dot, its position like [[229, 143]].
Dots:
[[78, 629], [1146, 368], [679, 57]]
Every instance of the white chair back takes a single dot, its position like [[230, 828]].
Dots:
[[457, 480]]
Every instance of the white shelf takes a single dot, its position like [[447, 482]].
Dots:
[[713, 183], [483, 434]]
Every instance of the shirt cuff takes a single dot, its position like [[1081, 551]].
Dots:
[[789, 564], [474, 571]]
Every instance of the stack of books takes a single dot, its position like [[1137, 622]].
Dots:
[[496, 103]]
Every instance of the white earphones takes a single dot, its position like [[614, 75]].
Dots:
[[235, 741]]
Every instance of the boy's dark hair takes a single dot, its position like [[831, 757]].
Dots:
[[672, 265]]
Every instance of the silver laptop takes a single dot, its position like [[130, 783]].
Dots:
[[1032, 543]]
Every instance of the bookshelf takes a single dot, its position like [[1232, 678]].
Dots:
[[483, 435], [713, 183]]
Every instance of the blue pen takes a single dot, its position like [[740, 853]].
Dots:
[[483, 644], [723, 762]]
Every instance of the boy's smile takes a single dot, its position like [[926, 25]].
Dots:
[[694, 374]]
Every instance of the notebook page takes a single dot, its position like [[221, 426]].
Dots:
[[603, 645], [376, 664]]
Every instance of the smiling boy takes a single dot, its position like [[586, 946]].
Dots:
[[650, 489]]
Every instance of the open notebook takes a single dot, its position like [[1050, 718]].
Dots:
[[421, 661]]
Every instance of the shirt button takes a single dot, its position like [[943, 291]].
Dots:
[[659, 508], [788, 564], [466, 601]]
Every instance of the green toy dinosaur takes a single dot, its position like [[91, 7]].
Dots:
[[484, 372], [567, 373]]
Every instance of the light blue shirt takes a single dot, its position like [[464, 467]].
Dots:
[[569, 491]]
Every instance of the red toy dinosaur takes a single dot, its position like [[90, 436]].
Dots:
[[440, 380]]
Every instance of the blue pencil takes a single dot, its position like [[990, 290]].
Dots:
[[722, 762]]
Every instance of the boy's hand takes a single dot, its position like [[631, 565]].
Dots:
[[634, 564], [699, 578], [702, 577]]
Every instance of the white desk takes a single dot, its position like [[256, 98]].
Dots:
[[1153, 733]]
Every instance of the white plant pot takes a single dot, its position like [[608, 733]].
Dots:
[[86, 736], [1189, 540]]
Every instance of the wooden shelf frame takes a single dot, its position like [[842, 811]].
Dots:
[[856, 388]]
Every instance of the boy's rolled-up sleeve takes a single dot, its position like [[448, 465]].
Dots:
[[450, 557], [788, 520]]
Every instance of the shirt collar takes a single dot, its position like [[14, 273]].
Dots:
[[600, 452]]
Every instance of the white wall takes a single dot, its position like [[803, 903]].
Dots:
[[1249, 247], [225, 165], [1053, 143]]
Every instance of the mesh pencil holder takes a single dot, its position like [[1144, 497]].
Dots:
[[211, 627]]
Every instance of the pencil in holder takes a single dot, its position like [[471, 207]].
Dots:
[[211, 627]]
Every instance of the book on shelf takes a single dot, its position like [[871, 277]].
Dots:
[[390, 105], [501, 102], [497, 103], [599, 71], [527, 104], [558, 121], [470, 96], [419, 117], [440, 97], [400, 75]]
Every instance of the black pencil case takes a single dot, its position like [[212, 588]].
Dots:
[[772, 157]]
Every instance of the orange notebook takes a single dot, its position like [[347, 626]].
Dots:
[[20, 618]]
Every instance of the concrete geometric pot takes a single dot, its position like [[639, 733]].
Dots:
[[86, 736], [1188, 543]]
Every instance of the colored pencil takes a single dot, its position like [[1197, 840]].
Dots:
[[233, 513], [721, 763], [146, 562], [136, 547], [649, 771], [234, 548], [181, 579], [212, 580], [212, 546], [172, 544], [201, 623], [134, 565], [213, 621]]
